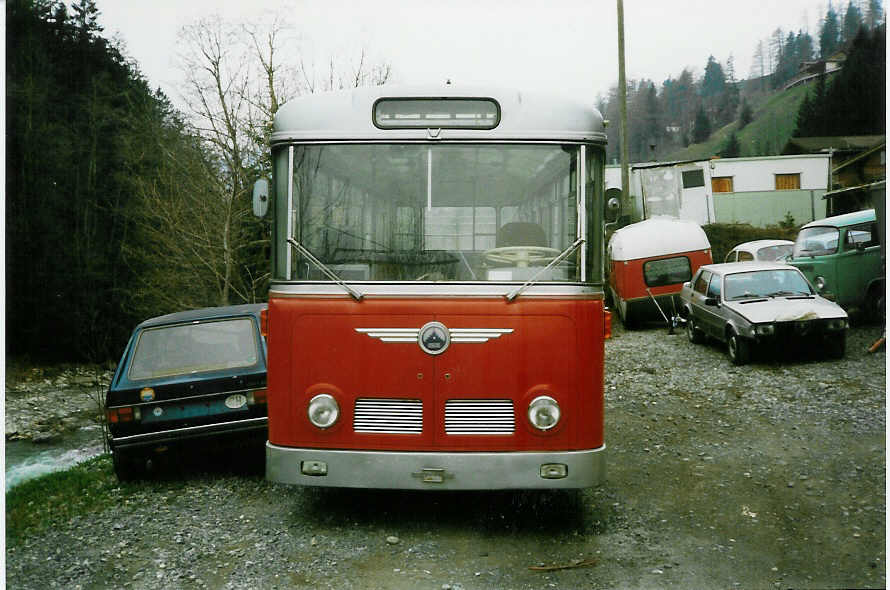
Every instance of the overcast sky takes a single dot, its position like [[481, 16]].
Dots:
[[568, 45]]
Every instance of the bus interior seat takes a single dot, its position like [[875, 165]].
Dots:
[[521, 233]]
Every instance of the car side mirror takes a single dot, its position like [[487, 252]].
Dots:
[[712, 301], [687, 284]]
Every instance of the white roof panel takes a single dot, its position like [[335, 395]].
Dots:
[[657, 236]]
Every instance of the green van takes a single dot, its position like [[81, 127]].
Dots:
[[841, 256]]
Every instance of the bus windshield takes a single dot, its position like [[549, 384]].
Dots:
[[432, 212]]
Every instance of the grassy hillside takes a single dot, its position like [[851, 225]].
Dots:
[[774, 120]]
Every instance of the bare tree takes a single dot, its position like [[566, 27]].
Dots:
[[339, 76], [196, 217]]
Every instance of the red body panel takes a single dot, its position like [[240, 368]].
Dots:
[[556, 348], [626, 276]]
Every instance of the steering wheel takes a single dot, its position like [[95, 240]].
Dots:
[[521, 255]]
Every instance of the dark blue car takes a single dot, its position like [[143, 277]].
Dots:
[[186, 378]]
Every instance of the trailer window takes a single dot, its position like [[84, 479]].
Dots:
[[667, 271]]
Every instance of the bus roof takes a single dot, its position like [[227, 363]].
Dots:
[[347, 115], [657, 236]]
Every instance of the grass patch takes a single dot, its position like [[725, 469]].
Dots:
[[54, 498]]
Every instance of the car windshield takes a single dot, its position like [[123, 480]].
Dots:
[[816, 241], [772, 253], [183, 349], [765, 283]]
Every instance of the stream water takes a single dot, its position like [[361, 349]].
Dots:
[[26, 460]]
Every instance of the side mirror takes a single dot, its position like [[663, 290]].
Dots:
[[261, 197], [613, 204], [712, 301], [688, 284]]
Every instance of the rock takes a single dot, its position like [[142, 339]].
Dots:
[[393, 540]]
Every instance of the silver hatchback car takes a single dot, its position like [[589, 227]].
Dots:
[[750, 305]]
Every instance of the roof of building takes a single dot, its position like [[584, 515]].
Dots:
[[803, 145]]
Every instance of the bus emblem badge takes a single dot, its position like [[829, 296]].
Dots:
[[434, 338]]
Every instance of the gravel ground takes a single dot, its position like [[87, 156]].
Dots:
[[770, 475]]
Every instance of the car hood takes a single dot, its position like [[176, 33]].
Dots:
[[786, 309]]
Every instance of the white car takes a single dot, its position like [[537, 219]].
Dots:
[[754, 305], [764, 250]]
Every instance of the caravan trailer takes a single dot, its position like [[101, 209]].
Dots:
[[648, 263]]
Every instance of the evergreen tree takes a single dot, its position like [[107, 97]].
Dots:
[[732, 148], [829, 34], [852, 23], [746, 114], [714, 81], [853, 104], [875, 14], [701, 128]]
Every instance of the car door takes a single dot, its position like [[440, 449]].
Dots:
[[711, 317], [697, 297], [859, 262]]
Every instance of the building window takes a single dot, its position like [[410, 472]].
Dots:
[[721, 184], [693, 178], [787, 182]]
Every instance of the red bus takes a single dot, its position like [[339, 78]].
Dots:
[[436, 315]]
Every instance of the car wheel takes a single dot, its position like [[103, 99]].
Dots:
[[837, 347], [128, 467], [738, 348], [692, 332]]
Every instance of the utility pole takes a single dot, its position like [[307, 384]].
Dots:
[[626, 205]]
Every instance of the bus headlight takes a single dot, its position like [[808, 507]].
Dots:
[[819, 283], [323, 410], [543, 412]]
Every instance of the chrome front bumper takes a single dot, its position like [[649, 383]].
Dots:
[[435, 471]]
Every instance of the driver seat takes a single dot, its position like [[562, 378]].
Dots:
[[521, 233]]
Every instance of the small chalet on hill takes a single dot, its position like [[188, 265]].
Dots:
[[811, 70]]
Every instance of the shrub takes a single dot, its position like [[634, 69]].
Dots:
[[724, 236]]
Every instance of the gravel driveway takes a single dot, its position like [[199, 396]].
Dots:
[[764, 476]]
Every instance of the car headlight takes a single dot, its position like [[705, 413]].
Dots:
[[323, 410], [765, 329], [543, 412], [837, 324], [819, 282]]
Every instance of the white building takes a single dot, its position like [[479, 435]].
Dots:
[[760, 191]]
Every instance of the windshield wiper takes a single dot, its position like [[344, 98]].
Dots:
[[515, 293], [323, 268], [748, 296], [787, 293]]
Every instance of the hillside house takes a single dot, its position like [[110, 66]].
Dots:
[[811, 70]]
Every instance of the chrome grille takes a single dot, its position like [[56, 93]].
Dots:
[[388, 416], [479, 416]]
